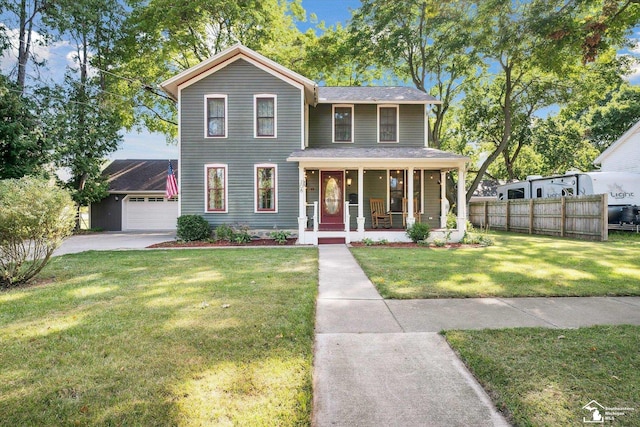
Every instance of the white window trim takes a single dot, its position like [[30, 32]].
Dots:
[[333, 123], [206, 188], [275, 115], [397, 107], [206, 118], [255, 187]]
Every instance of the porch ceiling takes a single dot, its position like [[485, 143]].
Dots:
[[378, 157]]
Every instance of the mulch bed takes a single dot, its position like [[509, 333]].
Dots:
[[220, 243], [413, 245]]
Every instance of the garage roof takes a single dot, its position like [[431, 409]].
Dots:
[[126, 176]]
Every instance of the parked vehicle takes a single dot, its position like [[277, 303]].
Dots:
[[622, 188]]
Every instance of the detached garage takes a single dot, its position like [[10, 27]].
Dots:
[[136, 198]]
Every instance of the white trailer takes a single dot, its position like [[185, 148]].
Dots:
[[622, 189]]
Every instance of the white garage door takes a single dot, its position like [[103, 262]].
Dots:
[[149, 213]]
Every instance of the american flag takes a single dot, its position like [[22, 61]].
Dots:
[[172, 184]]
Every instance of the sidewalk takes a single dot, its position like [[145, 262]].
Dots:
[[380, 363]]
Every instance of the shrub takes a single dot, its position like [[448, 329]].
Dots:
[[452, 221], [224, 232], [280, 236], [193, 227], [241, 234], [418, 231], [35, 217]]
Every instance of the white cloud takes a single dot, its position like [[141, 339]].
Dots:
[[53, 54]]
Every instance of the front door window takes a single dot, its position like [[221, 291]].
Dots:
[[332, 197]]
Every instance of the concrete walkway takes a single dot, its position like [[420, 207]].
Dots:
[[383, 363]]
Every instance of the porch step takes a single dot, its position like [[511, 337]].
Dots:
[[331, 240], [331, 227]]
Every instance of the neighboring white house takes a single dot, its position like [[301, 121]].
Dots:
[[624, 154]]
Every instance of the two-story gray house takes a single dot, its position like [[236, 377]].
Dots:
[[263, 146]]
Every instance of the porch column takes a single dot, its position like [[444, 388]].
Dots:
[[462, 199], [410, 208], [360, 218], [302, 204], [444, 203]]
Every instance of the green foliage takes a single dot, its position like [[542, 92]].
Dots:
[[452, 220], [419, 231], [439, 242], [236, 233], [280, 236], [241, 234], [477, 237], [370, 242], [193, 227], [224, 232], [23, 148], [35, 217]]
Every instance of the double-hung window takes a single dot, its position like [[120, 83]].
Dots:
[[266, 196], [387, 123], [343, 123], [216, 184], [216, 116], [265, 108]]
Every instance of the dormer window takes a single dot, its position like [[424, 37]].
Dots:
[[343, 123], [387, 123]]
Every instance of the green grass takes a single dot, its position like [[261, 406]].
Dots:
[[544, 377], [516, 266], [189, 337]]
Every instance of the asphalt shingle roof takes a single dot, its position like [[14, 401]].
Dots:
[[375, 153], [138, 175], [373, 94]]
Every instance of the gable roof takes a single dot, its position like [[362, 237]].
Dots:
[[621, 141], [374, 95], [230, 55], [127, 176]]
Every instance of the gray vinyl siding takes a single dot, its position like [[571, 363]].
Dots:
[[240, 151], [365, 126], [431, 199]]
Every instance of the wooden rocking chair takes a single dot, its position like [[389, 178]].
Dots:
[[405, 211], [378, 215]]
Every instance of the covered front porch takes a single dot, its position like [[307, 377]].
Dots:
[[353, 194]]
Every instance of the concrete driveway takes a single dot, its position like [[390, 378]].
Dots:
[[113, 240]]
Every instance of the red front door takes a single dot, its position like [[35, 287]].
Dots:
[[332, 200]]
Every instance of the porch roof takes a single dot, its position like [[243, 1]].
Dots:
[[374, 95], [377, 157]]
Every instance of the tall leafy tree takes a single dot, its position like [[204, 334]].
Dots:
[[616, 113], [424, 41], [178, 35], [84, 119], [23, 148]]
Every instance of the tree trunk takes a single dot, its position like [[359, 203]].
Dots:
[[506, 134]]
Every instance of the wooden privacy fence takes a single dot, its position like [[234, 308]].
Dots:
[[581, 217]]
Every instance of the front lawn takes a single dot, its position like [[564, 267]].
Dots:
[[516, 266], [545, 377], [187, 337]]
